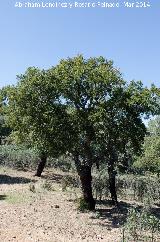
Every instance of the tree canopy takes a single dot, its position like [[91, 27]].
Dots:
[[85, 107], [36, 116]]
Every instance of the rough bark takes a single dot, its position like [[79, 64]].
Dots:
[[112, 184], [86, 182], [41, 165], [112, 175], [84, 173]]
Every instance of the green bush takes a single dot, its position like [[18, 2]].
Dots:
[[150, 158], [141, 226], [82, 205], [70, 181], [100, 185], [64, 163], [140, 187], [18, 157], [131, 186]]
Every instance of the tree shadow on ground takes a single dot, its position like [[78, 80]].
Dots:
[[115, 217], [156, 212], [53, 177], [112, 216], [3, 197], [5, 179]]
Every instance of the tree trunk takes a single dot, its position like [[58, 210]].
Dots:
[[41, 165], [86, 183], [112, 183], [112, 173], [84, 173]]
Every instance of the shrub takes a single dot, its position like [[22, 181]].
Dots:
[[141, 226], [82, 205], [131, 186], [70, 181], [64, 163], [100, 185], [18, 157]]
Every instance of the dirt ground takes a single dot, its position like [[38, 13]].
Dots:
[[37, 210]]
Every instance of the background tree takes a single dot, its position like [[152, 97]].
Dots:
[[4, 129], [150, 158], [154, 126], [37, 118]]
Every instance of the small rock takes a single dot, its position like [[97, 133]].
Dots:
[[83, 237], [99, 237], [56, 206]]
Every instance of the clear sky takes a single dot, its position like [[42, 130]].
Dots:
[[42, 36]]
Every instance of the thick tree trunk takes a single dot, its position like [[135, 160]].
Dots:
[[84, 173], [86, 182], [112, 184], [41, 165]]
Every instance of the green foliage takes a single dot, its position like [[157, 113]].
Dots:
[[150, 158], [141, 226], [134, 187], [105, 111], [83, 107], [22, 157], [82, 205], [69, 181], [154, 126], [18, 157], [4, 129], [35, 114], [128, 186], [79, 105], [64, 163], [100, 185], [140, 187]]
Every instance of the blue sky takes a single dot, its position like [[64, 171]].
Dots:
[[41, 37]]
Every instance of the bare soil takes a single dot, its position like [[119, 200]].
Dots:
[[33, 211]]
